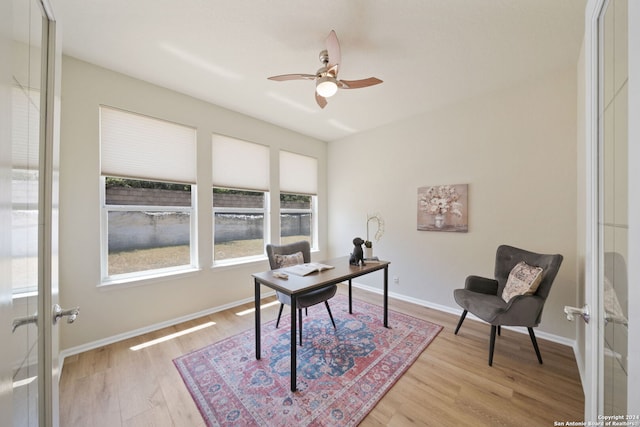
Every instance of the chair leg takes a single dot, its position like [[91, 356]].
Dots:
[[535, 344], [499, 329], [279, 314], [330, 315], [464, 314], [492, 343]]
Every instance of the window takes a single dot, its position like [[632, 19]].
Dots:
[[297, 218], [239, 223], [240, 176], [148, 182], [148, 225], [298, 189]]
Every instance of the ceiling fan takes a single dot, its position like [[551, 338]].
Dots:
[[327, 82]]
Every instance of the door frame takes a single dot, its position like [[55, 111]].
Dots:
[[48, 347], [633, 389], [593, 373]]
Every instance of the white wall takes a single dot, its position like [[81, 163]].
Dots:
[[517, 151], [117, 311]]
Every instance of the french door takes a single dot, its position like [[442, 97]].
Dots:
[[613, 223], [29, 211], [607, 362]]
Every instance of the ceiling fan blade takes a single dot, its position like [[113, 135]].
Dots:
[[322, 102], [333, 49], [356, 84], [284, 77]]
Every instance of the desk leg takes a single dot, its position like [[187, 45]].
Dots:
[[294, 343], [257, 316], [386, 296], [350, 308]]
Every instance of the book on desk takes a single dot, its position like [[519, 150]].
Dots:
[[307, 268]]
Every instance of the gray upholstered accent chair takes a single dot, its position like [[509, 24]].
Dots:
[[308, 299], [483, 297]]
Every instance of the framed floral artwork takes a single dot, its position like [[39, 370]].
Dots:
[[443, 208]]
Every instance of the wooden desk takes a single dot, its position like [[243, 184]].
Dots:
[[296, 286]]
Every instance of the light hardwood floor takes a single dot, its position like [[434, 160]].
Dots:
[[449, 385]]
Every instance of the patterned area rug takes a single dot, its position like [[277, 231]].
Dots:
[[342, 373]]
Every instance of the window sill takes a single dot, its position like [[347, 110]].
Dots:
[[246, 261], [146, 279], [239, 262]]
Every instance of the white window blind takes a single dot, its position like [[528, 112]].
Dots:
[[25, 128], [298, 173], [239, 164], [142, 147]]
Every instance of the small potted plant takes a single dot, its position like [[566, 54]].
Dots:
[[368, 244], [368, 249]]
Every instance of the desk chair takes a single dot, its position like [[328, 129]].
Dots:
[[291, 254]]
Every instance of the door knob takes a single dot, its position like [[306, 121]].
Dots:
[[571, 313], [71, 313]]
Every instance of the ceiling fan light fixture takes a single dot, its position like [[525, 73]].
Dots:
[[326, 86], [326, 78]]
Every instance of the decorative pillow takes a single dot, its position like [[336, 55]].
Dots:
[[288, 260], [524, 279]]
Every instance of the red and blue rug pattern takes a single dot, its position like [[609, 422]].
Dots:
[[342, 372]]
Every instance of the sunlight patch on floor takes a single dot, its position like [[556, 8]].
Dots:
[[251, 310], [171, 336]]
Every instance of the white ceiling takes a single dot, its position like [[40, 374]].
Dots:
[[429, 53]]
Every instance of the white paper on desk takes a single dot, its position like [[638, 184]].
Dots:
[[307, 268]]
